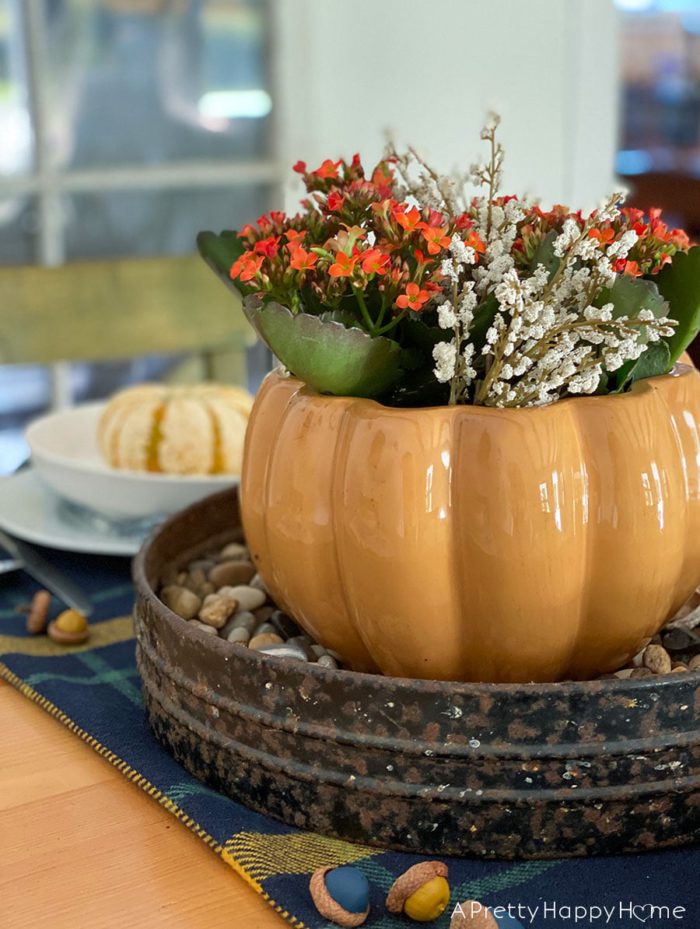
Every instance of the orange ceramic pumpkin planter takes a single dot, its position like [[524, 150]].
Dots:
[[471, 543]]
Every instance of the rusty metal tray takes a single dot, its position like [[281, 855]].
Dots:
[[510, 771]]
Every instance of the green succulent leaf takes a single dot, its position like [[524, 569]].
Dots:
[[483, 320], [325, 354], [629, 295], [544, 254], [679, 283], [654, 361], [220, 250]]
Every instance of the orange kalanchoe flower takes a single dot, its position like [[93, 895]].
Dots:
[[344, 265], [436, 238], [407, 219], [246, 267], [413, 298], [374, 261], [293, 235], [267, 247], [301, 259], [473, 241], [604, 236], [327, 169]]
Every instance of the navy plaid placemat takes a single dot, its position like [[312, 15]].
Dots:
[[94, 690]]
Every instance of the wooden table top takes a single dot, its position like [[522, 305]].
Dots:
[[82, 848]]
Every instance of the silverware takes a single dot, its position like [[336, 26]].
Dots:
[[40, 569]]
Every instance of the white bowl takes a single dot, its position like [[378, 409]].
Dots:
[[67, 458]]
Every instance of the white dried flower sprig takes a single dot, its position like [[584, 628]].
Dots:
[[454, 359], [547, 338]]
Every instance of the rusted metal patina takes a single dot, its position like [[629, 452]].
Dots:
[[511, 771]]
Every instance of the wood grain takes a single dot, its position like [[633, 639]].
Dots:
[[82, 848]]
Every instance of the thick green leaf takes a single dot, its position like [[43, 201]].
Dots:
[[325, 354], [544, 254], [220, 251], [654, 361], [679, 282], [632, 294], [483, 320]]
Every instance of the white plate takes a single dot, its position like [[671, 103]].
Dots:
[[66, 456], [30, 511]]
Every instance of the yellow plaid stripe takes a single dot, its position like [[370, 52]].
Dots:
[[263, 856], [105, 633]]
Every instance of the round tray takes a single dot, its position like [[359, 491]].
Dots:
[[511, 771]]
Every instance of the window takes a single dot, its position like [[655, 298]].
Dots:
[[125, 126]]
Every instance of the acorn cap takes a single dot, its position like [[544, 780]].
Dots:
[[327, 906], [410, 881], [483, 919]]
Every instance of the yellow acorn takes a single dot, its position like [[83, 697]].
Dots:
[[428, 902], [421, 893], [69, 628]]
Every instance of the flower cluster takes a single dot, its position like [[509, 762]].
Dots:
[[499, 300], [355, 248], [539, 287]]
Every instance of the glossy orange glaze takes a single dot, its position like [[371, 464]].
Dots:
[[469, 543]]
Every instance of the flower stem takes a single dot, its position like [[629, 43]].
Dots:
[[360, 297], [390, 325]]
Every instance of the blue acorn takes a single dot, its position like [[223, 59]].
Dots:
[[508, 922], [341, 894]]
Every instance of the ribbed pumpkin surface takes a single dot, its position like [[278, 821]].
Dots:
[[176, 430], [466, 543]]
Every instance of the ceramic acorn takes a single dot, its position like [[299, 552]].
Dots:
[[421, 893], [341, 894]]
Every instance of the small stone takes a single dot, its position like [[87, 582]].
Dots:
[[318, 650], [181, 601], [203, 627], [244, 619], [234, 551], [285, 650], [248, 597], [216, 610], [263, 613], [264, 628], [657, 659], [240, 636], [677, 640], [195, 578], [624, 674], [264, 640], [694, 664], [303, 643], [327, 661], [258, 583], [678, 669], [231, 573], [202, 564], [69, 628], [38, 614], [241, 620], [641, 672], [284, 624]]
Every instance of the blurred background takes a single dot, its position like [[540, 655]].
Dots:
[[128, 125]]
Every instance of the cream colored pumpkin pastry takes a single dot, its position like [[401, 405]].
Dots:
[[176, 430]]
